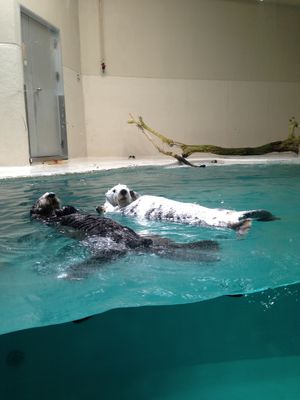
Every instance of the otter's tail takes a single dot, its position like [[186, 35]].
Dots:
[[259, 215]]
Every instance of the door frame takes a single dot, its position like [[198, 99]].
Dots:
[[60, 98]]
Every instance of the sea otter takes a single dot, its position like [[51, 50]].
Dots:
[[110, 240], [121, 198]]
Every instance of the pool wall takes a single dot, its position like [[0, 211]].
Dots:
[[242, 347]]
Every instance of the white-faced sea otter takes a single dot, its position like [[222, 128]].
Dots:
[[121, 198]]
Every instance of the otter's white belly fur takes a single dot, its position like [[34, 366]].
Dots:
[[160, 208]]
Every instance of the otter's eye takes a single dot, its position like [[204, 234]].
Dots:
[[114, 191]]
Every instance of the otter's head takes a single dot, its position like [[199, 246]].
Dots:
[[46, 205], [121, 195]]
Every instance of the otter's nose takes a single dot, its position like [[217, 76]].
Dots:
[[123, 192]]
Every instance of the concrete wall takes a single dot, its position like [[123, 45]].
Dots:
[[201, 71], [223, 72], [13, 131], [63, 14]]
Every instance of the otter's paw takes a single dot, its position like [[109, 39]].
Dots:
[[100, 210]]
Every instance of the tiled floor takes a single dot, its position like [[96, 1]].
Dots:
[[94, 164]]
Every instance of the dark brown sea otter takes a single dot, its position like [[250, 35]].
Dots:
[[109, 240]]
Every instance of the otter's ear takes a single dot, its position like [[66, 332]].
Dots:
[[134, 195]]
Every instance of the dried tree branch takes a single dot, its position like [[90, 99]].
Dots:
[[292, 144]]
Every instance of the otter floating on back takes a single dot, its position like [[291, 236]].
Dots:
[[110, 240], [130, 203]]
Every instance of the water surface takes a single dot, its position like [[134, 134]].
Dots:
[[34, 257]]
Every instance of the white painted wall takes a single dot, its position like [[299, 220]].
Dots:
[[223, 72], [13, 131], [201, 71], [225, 113]]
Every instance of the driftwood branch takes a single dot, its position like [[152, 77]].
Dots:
[[147, 130], [290, 144]]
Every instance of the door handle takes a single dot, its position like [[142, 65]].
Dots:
[[38, 90]]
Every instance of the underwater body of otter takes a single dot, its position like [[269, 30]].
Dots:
[[210, 346]]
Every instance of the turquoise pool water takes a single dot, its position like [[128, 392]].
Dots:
[[191, 341], [33, 256]]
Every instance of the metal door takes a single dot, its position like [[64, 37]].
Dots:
[[43, 84]]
